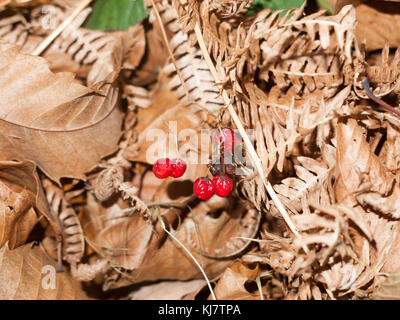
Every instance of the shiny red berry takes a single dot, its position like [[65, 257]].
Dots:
[[227, 137], [162, 168], [222, 185], [203, 188], [178, 168]]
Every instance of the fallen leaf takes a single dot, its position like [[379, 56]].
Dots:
[[176, 265], [125, 239], [389, 289], [20, 192], [231, 285], [357, 163], [377, 22], [164, 121], [51, 119], [28, 273]]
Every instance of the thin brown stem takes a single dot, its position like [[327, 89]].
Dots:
[[383, 104], [59, 257], [169, 47]]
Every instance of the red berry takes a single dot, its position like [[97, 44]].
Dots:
[[203, 188], [222, 185], [227, 137], [162, 168], [178, 168]]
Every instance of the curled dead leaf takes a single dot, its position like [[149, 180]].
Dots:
[[21, 192], [231, 285]]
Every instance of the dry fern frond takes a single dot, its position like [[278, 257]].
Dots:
[[202, 91], [14, 29], [383, 74], [280, 130], [27, 33], [310, 185], [308, 55], [72, 234], [223, 30], [107, 182], [137, 96], [228, 8], [203, 94], [83, 45], [385, 205], [168, 15], [332, 263], [87, 272]]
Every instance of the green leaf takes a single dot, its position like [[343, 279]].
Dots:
[[274, 5], [109, 15], [323, 4]]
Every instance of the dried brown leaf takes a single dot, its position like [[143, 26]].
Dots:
[[389, 289], [72, 234], [45, 122], [231, 285], [224, 236], [125, 240], [357, 163], [25, 273], [377, 22], [176, 265], [21, 191], [161, 117]]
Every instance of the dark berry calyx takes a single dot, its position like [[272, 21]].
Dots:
[[230, 169], [215, 168]]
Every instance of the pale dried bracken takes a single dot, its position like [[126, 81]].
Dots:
[[317, 209]]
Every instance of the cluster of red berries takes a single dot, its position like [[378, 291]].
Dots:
[[164, 168], [220, 184], [204, 187]]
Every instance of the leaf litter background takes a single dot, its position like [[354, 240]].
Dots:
[[74, 113]]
